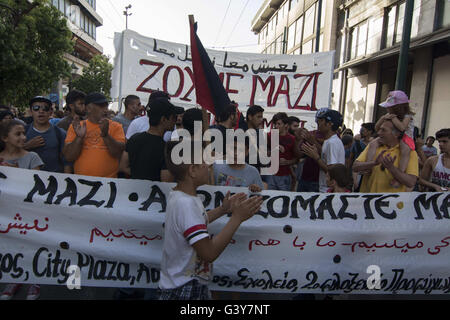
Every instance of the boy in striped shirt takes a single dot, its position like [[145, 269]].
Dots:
[[188, 249]]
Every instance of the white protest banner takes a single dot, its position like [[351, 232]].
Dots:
[[296, 84], [111, 230]]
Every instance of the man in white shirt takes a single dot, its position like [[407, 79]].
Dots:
[[142, 124], [333, 151]]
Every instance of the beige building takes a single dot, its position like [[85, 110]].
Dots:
[[366, 35], [82, 20]]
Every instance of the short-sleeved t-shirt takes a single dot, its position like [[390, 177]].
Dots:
[[138, 125], [380, 179], [95, 159], [429, 151], [357, 150], [29, 161], [120, 118], [146, 156], [51, 152], [186, 223], [224, 175], [332, 152], [287, 141]]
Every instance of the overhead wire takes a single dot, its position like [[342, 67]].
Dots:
[[237, 22], [223, 20]]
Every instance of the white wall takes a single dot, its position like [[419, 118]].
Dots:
[[439, 112]]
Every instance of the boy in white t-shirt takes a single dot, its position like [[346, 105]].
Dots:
[[188, 249], [333, 152]]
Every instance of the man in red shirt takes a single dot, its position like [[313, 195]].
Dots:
[[288, 150]]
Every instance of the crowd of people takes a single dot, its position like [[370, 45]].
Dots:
[[88, 139]]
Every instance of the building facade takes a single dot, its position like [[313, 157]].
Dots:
[[82, 20], [366, 37]]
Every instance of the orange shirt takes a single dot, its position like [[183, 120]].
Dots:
[[95, 159]]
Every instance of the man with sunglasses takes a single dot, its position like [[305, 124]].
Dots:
[[44, 138]]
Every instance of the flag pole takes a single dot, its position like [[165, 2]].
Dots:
[[205, 116]]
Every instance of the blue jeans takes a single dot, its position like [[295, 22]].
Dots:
[[282, 183], [307, 186]]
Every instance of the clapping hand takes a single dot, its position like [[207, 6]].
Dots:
[[243, 209], [104, 127], [80, 130]]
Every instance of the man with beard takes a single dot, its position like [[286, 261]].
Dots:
[[75, 104]]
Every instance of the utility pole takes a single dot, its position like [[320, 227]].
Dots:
[[122, 53], [126, 14], [402, 68]]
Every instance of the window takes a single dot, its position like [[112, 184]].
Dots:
[[281, 44], [55, 3], [401, 17], [444, 13], [322, 13], [67, 8], [309, 22], [61, 6], [291, 36], [307, 47], [359, 40], [282, 11], [298, 30], [395, 16]]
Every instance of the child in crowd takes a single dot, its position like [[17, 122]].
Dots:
[[13, 154], [338, 178], [236, 174], [188, 249], [399, 112], [287, 154], [12, 142]]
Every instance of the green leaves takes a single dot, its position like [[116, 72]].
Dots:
[[96, 77], [33, 39]]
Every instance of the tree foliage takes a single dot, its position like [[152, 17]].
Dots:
[[33, 39], [96, 77]]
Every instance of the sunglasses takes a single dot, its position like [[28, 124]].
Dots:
[[45, 108]]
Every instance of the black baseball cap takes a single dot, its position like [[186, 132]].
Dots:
[[40, 99], [96, 98]]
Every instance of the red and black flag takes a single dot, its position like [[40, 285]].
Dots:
[[209, 90]]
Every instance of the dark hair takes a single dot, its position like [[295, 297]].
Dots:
[[280, 116], [293, 119], [226, 113], [369, 126], [59, 114], [73, 96], [5, 128], [402, 109], [5, 113], [157, 109], [3, 107], [443, 133], [252, 110], [189, 118], [129, 99], [431, 137], [341, 174], [347, 131], [178, 170], [347, 139]]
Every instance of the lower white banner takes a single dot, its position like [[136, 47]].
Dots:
[[88, 231]]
